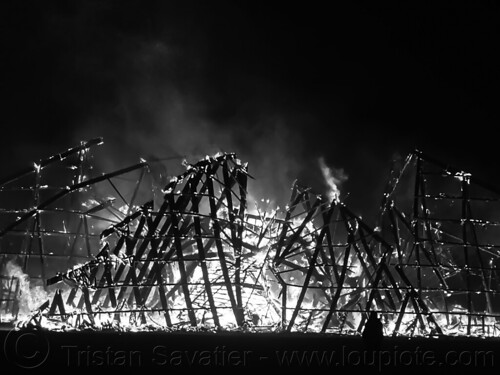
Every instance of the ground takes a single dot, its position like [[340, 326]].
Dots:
[[93, 352]]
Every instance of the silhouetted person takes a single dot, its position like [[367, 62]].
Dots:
[[373, 332]]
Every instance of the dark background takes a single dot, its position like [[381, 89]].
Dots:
[[280, 85]]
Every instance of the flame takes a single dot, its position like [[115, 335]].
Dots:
[[30, 297]]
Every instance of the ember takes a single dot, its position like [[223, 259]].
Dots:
[[114, 250]]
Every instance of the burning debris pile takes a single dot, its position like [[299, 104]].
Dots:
[[194, 257]]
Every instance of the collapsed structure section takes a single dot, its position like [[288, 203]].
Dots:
[[192, 260], [194, 256]]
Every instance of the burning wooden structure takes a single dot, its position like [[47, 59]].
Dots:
[[445, 228], [194, 256]]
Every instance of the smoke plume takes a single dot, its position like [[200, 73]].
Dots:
[[333, 179]]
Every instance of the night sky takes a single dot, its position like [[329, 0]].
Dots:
[[280, 85]]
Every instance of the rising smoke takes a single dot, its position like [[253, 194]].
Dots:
[[167, 104], [333, 177]]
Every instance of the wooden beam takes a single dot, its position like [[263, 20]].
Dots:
[[312, 265], [336, 297]]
